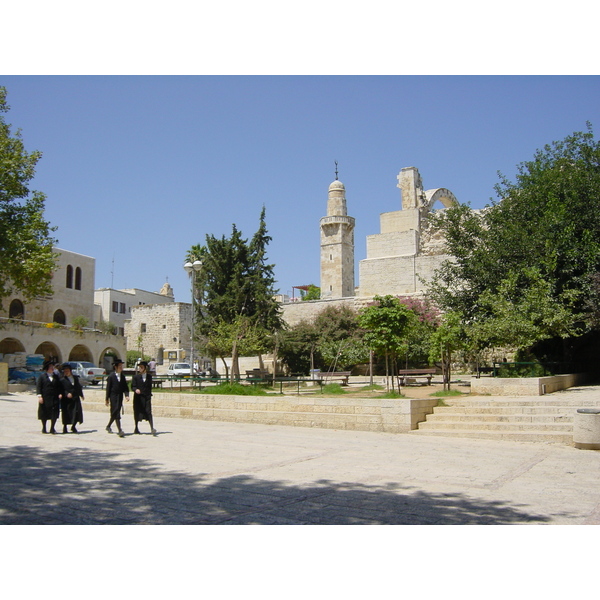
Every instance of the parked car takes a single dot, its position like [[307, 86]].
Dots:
[[179, 369], [87, 372]]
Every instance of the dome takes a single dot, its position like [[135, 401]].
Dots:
[[337, 185]]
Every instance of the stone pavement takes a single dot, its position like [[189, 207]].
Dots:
[[198, 472]]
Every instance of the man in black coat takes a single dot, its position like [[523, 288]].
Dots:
[[49, 393], [141, 384], [72, 411], [116, 388]]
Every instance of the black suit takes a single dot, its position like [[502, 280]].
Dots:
[[49, 390], [115, 390], [72, 411], [142, 402]]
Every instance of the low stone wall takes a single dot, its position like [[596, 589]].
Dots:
[[368, 414], [525, 386], [3, 378]]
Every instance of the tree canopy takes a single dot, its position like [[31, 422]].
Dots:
[[235, 292], [28, 260], [523, 268]]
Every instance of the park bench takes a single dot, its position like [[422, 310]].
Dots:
[[342, 376], [406, 375], [257, 374]]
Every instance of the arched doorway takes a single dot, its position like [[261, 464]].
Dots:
[[16, 310], [59, 317], [50, 351], [81, 352], [107, 359], [10, 346]]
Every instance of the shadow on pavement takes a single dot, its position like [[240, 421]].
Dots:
[[84, 487]]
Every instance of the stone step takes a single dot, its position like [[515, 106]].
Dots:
[[495, 425], [482, 402], [505, 410], [499, 418], [515, 436]]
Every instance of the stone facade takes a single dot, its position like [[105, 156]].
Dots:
[[162, 331], [115, 306], [44, 325], [72, 293], [407, 251]]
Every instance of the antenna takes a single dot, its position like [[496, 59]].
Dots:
[[112, 272], [336, 170]]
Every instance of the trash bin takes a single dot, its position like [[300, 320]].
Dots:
[[586, 429], [315, 374]]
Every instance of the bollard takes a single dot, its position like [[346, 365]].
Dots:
[[586, 429]]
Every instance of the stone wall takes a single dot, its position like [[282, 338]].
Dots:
[[164, 330], [3, 378], [525, 386], [367, 414]]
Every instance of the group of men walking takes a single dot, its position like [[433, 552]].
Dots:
[[62, 393]]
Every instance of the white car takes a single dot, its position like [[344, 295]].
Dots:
[[87, 372], [179, 369]]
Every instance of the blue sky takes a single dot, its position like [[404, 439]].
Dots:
[[140, 168]]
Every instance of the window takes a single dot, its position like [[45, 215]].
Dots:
[[59, 317], [115, 306], [122, 308], [142, 327], [78, 278], [16, 310], [70, 276], [121, 331]]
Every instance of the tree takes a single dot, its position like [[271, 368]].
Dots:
[[312, 293], [235, 292], [28, 260], [531, 254], [386, 323]]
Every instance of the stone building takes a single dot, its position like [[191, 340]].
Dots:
[[399, 259], [45, 326], [162, 331], [114, 306], [407, 251]]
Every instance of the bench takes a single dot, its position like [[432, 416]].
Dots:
[[257, 375], [342, 376], [406, 374]]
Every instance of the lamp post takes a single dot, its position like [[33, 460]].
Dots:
[[191, 269]]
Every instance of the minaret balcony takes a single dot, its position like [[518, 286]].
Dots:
[[337, 220]]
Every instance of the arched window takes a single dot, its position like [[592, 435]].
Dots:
[[69, 276], [59, 317], [16, 310], [78, 278]]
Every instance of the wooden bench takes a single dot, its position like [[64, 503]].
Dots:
[[406, 374], [257, 374], [342, 376]]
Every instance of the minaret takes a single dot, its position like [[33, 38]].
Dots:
[[337, 245]]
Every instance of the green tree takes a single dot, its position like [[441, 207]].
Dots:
[[28, 260], [531, 253], [312, 293], [235, 293], [386, 323]]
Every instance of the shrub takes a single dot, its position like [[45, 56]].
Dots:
[[234, 389]]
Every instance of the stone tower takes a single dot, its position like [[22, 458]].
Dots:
[[337, 246]]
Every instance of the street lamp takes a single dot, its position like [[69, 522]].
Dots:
[[191, 269]]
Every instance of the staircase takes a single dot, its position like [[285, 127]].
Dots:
[[527, 419]]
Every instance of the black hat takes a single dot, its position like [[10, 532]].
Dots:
[[117, 361], [47, 364], [66, 366], [143, 363]]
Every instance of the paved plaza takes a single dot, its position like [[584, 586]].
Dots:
[[198, 472]]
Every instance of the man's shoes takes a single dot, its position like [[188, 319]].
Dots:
[[109, 430], [154, 432], [74, 429], [121, 433], [64, 429], [136, 430], [53, 431]]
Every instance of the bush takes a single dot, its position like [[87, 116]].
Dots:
[[234, 389], [333, 388]]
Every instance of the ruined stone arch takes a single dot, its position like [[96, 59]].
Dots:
[[106, 358], [446, 197], [16, 309]]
